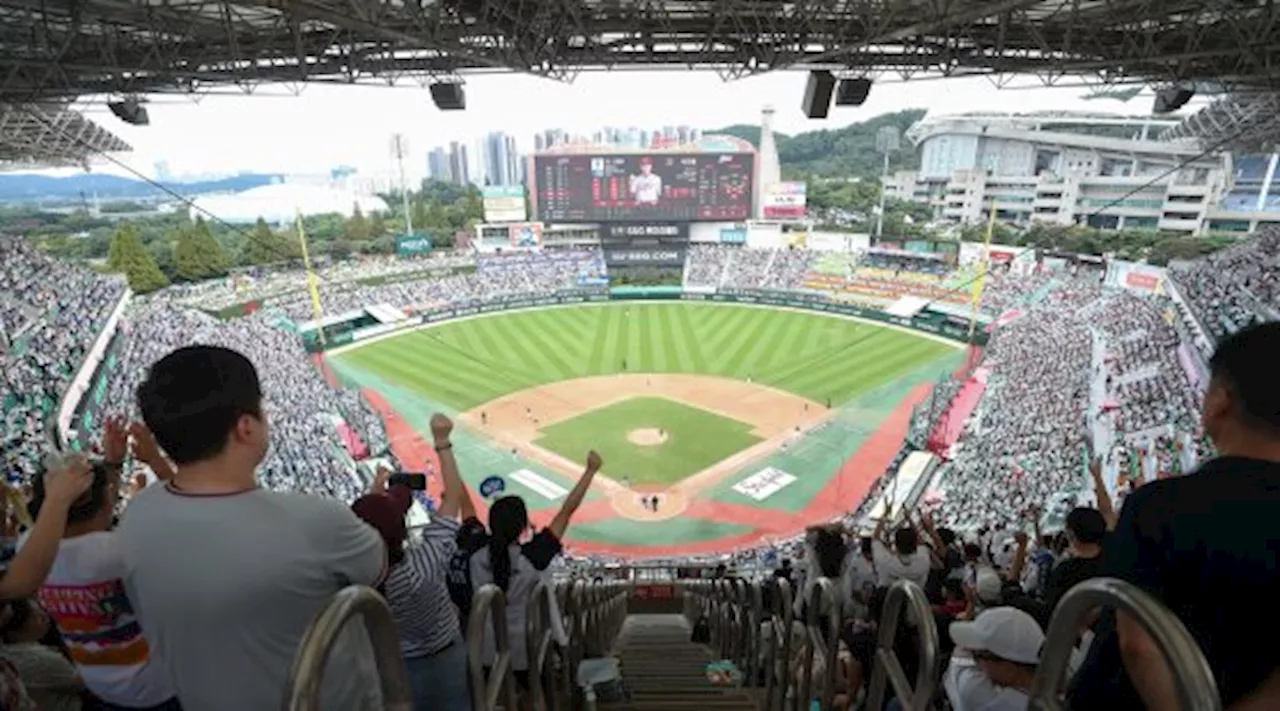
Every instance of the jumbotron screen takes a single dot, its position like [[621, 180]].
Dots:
[[658, 187]]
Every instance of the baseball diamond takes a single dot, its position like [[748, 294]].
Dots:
[[744, 422]]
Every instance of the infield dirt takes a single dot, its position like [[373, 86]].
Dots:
[[515, 421]]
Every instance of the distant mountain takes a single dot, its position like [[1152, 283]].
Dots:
[[848, 152], [28, 187]]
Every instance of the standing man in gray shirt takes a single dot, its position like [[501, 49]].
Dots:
[[225, 576]]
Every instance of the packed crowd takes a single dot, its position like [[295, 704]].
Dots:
[[1234, 287], [53, 312], [1113, 384], [307, 453]]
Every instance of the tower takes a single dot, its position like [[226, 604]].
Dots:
[[768, 168]]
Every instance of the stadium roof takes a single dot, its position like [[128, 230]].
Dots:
[[1246, 123], [64, 48], [44, 136]]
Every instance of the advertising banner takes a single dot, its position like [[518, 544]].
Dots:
[[643, 187], [504, 203], [410, 245], [1141, 278], [785, 201], [733, 235], [527, 235], [652, 245]]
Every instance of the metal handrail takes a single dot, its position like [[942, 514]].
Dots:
[[822, 600], [781, 620], [1196, 687], [908, 595], [490, 602], [302, 691], [539, 645]]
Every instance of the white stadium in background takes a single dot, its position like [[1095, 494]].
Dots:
[[281, 202]]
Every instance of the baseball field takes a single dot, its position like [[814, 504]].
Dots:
[[744, 422]]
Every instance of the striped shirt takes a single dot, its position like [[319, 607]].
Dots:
[[415, 589]]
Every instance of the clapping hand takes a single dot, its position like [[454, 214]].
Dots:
[[145, 448], [62, 486], [115, 440]]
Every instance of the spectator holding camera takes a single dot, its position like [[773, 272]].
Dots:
[[84, 591], [430, 634], [226, 576]]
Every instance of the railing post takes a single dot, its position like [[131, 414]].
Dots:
[[823, 639], [302, 692], [887, 667], [539, 643], [780, 621], [1196, 687], [490, 601]]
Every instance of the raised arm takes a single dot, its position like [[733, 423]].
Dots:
[[1101, 494], [456, 500], [32, 563], [571, 504], [148, 452]]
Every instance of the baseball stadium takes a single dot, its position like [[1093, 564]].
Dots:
[[744, 421]]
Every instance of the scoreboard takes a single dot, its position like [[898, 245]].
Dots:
[[657, 187]]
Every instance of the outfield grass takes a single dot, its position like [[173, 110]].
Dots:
[[467, 363], [695, 439]]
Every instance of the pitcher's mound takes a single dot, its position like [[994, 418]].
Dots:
[[647, 437]]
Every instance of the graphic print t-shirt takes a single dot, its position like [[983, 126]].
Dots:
[[646, 188], [84, 596]]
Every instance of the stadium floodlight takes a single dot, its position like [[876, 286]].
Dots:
[[131, 111]]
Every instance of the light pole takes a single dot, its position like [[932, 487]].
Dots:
[[399, 147], [886, 143]]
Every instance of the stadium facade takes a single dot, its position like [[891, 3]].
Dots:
[[1111, 172]]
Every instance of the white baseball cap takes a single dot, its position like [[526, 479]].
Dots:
[[1005, 632]]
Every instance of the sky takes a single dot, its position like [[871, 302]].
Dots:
[[329, 125]]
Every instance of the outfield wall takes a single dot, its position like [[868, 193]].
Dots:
[[930, 322]]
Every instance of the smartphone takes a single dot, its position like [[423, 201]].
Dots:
[[417, 482]]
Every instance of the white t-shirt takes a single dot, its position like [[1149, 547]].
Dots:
[[969, 689], [891, 567], [84, 596], [646, 188]]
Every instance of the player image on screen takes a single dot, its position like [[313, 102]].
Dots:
[[647, 186]]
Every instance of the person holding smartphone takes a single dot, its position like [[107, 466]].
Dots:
[[429, 630]]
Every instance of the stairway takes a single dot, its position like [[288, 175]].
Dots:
[[666, 672]]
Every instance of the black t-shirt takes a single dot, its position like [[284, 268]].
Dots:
[[1068, 574], [1206, 546]]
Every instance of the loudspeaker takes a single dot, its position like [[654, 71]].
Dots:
[[449, 97], [1172, 99], [131, 111], [817, 94], [852, 92]]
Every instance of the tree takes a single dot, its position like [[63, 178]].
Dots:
[[356, 228], [377, 226], [212, 254], [264, 246], [127, 256], [198, 255]]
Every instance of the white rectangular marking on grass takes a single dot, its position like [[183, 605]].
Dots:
[[540, 484], [764, 483]]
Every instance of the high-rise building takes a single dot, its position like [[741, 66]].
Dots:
[[459, 167], [438, 165]]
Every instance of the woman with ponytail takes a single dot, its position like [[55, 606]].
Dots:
[[517, 567]]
